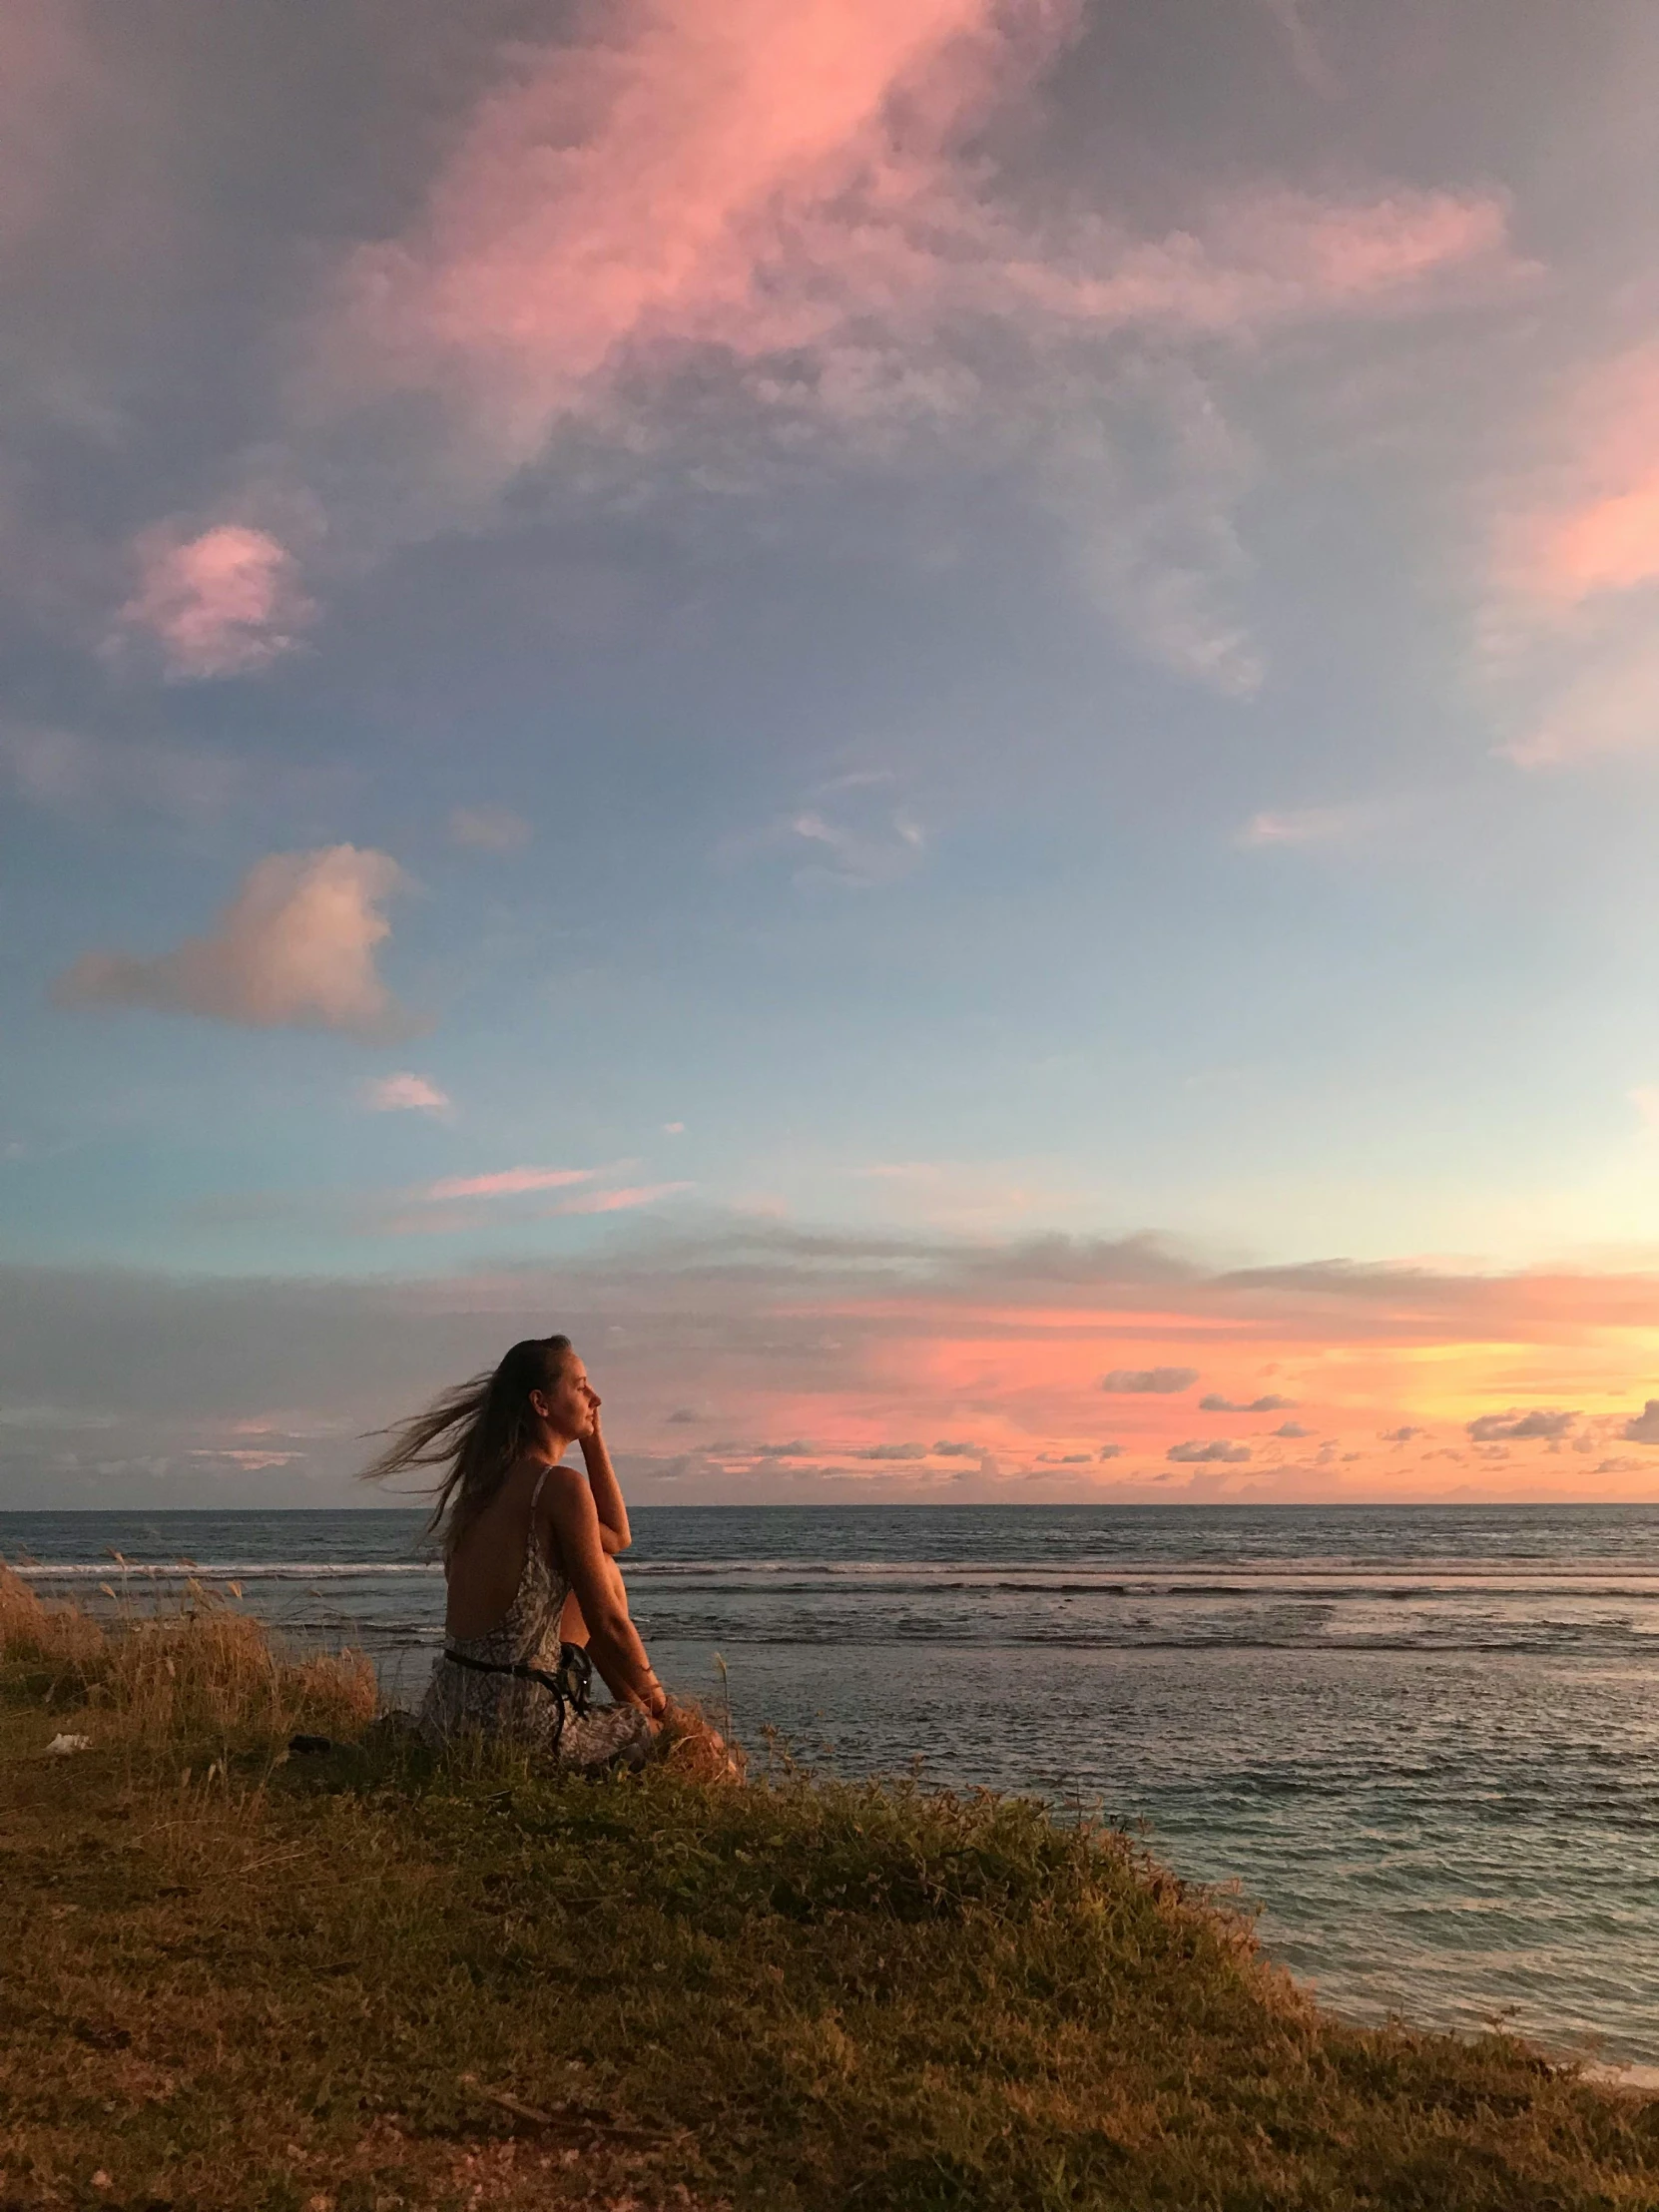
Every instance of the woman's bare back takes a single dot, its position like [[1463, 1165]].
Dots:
[[487, 1565]]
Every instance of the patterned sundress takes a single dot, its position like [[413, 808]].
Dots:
[[472, 1699]]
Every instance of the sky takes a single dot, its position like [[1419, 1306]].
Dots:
[[938, 717]]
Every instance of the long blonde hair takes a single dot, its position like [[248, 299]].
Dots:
[[476, 1432]]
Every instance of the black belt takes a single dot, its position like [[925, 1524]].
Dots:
[[568, 1686]]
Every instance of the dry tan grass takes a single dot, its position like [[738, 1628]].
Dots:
[[696, 1750], [200, 1668], [57, 1636]]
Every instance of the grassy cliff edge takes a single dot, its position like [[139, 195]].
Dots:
[[375, 1979]]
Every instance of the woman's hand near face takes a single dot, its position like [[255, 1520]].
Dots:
[[615, 1533]]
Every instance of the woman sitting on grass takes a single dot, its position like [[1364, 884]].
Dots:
[[526, 1555]]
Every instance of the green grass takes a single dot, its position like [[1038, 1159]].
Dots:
[[378, 1979]]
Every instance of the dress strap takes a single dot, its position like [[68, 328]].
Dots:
[[535, 1495]]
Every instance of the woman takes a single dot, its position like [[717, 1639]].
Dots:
[[527, 1548]]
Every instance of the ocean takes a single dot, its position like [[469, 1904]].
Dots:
[[1421, 1741]]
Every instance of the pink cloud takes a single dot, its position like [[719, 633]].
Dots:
[[1272, 257], [792, 196], [787, 177], [1604, 703], [506, 1183], [1568, 628], [1592, 525], [1608, 544], [622, 1200], [224, 603], [616, 186], [295, 948]]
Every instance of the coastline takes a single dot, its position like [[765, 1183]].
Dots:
[[375, 1979], [1411, 1849]]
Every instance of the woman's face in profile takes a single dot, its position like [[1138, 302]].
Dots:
[[572, 1399]]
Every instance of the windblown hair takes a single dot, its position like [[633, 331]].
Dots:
[[475, 1431]]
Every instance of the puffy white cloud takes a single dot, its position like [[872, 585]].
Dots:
[[1159, 1380], [296, 948], [1292, 1429], [1110, 1451], [1491, 1428], [1218, 1448], [1643, 1427]]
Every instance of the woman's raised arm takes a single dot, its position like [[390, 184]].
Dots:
[[573, 1522], [614, 1534]]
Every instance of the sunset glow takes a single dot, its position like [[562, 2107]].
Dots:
[[901, 706]]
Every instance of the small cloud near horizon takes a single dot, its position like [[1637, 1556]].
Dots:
[[1161, 1381], [1215, 1404], [1219, 1448], [1497, 1427]]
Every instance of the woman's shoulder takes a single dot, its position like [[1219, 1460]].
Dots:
[[558, 1487]]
